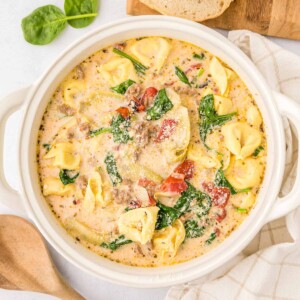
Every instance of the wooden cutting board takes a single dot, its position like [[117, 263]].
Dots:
[[279, 18]]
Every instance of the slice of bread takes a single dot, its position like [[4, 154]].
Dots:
[[196, 10]]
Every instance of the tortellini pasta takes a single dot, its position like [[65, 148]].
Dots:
[[223, 105], [72, 89], [53, 186], [253, 116], [175, 147], [174, 97], [243, 200], [218, 74], [118, 70], [138, 224], [152, 50], [243, 174], [241, 139], [168, 240], [64, 156], [95, 193]]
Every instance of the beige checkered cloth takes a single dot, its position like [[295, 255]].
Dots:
[[269, 268]]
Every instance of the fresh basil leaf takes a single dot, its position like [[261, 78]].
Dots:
[[119, 129], [212, 236], [47, 147], [209, 118], [81, 7], [114, 245], [166, 216], [96, 132], [140, 68], [162, 104], [181, 75], [123, 87], [43, 25], [200, 56], [192, 229], [112, 170], [221, 180], [257, 151], [65, 178]]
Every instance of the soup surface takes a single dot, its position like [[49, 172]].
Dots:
[[151, 152]]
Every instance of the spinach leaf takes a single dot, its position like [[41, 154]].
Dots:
[[161, 105], [65, 178], [45, 23], [221, 180], [122, 87], [257, 151], [101, 130], [81, 7], [119, 129], [47, 147], [212, 236], [192, 229], [200, 56], [114, 245], [181, 75], [209, 118], [203, 206], [112, 170], [140, 68], [167, 215]]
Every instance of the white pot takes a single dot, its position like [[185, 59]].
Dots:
[[33, 100]]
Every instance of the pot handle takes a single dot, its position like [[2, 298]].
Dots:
[[8, 105], [284, 205]]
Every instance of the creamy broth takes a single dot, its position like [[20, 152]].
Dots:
[[151, 152]]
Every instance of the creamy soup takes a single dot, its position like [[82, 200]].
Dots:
[[151, 152]]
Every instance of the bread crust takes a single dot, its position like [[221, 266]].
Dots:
[[195, 10]]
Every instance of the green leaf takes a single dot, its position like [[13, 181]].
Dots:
[[81, 7], [47, 147], [119, 129], [257, 151], [209, 118], [242, 210], [123, 87], [140, 68], [192, 229], [114, 245], [43, 25], [221, 180], [181, 75], [167, 215], [200, 56], [65, 178], [101, 130], [211, 238], [162, 104], [112, 170]]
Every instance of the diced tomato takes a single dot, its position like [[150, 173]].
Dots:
[[221, 216], [167, 129], [196, 66], [186, 168], [149, 92], [208, 186], [138, 104], [145, 182], [217, 231], [135, 204], [219, 195], [174, 185], [152, 201], [123, 111]]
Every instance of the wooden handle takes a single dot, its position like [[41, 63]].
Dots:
[[270, 17]]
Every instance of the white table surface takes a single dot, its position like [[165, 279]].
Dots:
[[21, 64]]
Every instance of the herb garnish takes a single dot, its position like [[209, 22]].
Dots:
[[209, 118], [47, 147], [140, 68], [200, 56], [114, 245], [65, 178], [122, 87], [192, 229], [212, 236], [242, 210], [257, 151], [181, 75], [101, 130], [112, 170], [161, 105], [201, 71]]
